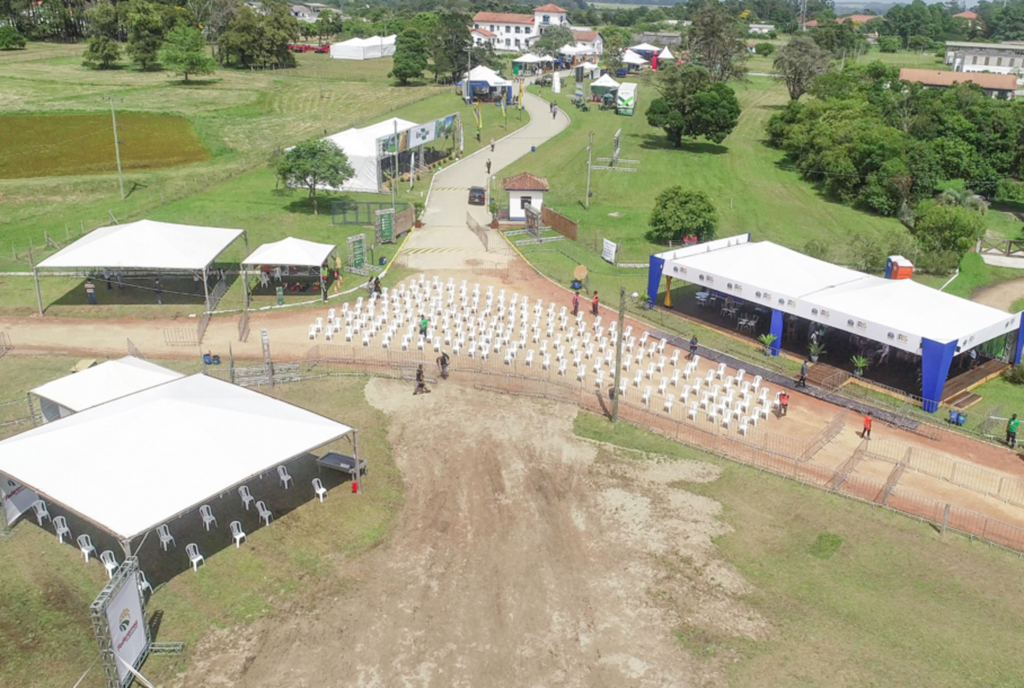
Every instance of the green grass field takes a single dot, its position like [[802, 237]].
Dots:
[[59, 144]]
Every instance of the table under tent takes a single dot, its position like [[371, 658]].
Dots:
[[295, 265], [135, 256]]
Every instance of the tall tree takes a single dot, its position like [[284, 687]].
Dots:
[[184, 52], [101, 53], [680, 213], [552, 40], [450, 48], [145, 33], [716, 38], [313, 163], [410, 56], [692, 105], [799, 62], [616, 41]]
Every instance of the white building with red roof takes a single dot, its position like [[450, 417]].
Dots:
[[516, 32]]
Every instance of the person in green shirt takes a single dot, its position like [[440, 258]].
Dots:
[[1011, 432], [424, 323]]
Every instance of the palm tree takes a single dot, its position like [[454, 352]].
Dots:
[[964, 198]]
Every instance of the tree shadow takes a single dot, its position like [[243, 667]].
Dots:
[[305, 206], [655, 142], [197, 83]]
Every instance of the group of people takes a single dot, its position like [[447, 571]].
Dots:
[[594, 303]]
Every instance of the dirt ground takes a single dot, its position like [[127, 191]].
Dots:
[[523, 556], [1002, 295]]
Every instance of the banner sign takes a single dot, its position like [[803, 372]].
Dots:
[[608, 251], [556, 83], [532, 220], [357, 250], [416, 136], [616, 143], [128, 637], [386, 226], [17, 498]]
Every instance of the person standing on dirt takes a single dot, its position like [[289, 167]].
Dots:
[[575, 304], [866, 433], [424, 324], [421, 385], [376, 286], [783, 403], [802, 382], [594, 303], [442, 363], [1011, 432], [90, 291], [693, 348]]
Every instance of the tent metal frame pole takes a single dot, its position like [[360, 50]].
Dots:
[[355, 455], [39, 294], [206, 288], [242, 273]]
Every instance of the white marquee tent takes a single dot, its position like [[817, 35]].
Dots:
[[481, 74], [631, 58], [291, 251], [666, 54], [645, 48], [98, 385], [605, 83], [134, 463], [360, 145], [530, 58], [364, 48]]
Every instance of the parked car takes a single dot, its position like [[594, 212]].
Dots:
[[544, 80], [477, 195]]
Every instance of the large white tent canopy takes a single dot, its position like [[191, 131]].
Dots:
[[645, 48], [530, 58], [291, 251], [360, 146], [145, 244], [481, 74], [136, 462], [631, 58], [100, 384], [364, 48], [606, 82]]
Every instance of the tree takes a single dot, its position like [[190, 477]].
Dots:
[[101, 53], [410, 56], [716, 40], [451, 43], [10, 39], [939, 227], [692, 105], [552, 40], [145, 33], [799, 62], [679, 213], [184, 52], [888, 44], [314, 163], [103, 20], [616, 41], [764, 49]]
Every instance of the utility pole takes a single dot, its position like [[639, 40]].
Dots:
[[618, 353], [590, 158], [803, 15], [117, 147], [394, 172]]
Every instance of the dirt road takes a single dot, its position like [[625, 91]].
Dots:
[[1001, 295], [524, 556]]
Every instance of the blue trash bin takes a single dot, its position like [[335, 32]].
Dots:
[[953, 417], [961, 418]]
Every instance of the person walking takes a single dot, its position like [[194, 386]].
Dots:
[[693, 348], [90, 291], [554, 110], [106, 278], [424, 324], [488, 165], [369, 286], [866, 432], [783, 403], [1011, 432], [376, 286], [594, 303], [802, 382], [421, 384], [492, 144], [442, 362], [575, 304], [159, 292]]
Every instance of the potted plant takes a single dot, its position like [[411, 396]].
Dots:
[[859, 364], [418, 207], [767, 340], [816, 349]]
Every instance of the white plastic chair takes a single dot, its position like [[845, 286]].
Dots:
[[109, 562], [668, 403], [675, 358], [720, 372], [650, 371], [312, 331], [692, 413], [143, 583], [546, 364], [164, 533], [661, 364], [85, 545], [282, 473], [646, 398], [42, 513], [319, 489], [744, 425], [246, 496], [562, 366], [237, 533], [264, 512], [60, 526], [529, 358], [663, 385], [599, 382], [194, 557], [638, 379], [207, 513]]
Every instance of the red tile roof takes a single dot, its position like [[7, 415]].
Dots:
[[503, 18], [525, 182], [550, 8], [812, 23], [968, 15], [858, 18], [585, 36], [485, 32], [931, 77]]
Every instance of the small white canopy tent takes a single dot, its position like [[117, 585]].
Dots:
[[98, 385], [590, 67], [631, 58], [134, 463], [530, 58], [360, 146], [666, 54], [364, 48], [291, 251], [606, 81], [488, 76], [645, 48]]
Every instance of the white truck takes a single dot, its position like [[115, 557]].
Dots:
[[625, 99]]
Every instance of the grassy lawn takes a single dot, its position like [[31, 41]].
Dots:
[[975, 274], [855, 595], [45, 589]]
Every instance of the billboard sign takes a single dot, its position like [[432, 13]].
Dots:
[[357, 250], [128, 634], [608, 251], [16, 497], [386, 226], [415, 136]]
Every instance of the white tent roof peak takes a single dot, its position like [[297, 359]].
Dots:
[[105, 382], [146, 244], [606, 81], [290, 251], [630, 57], [666, 54], [645, 48]]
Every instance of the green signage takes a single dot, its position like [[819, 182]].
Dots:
[[357, 250], [386, 226], [280, 296]]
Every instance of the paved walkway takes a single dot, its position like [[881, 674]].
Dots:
[[445, 242]]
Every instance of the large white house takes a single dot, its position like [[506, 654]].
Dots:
[[996, 58], [516, 32]]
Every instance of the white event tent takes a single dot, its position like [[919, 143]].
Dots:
[[666, 54], [898, 312], [134, 463], [645, 48], [98, 385], [603, 85], [530, 58], [631, 58], [364, 48], [291, 251], [360, 146]]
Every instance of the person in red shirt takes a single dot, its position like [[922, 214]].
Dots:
[[595, 303], [867, 427], [783, 403]]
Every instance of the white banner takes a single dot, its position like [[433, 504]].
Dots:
[[16, 497], [127, 626], [608, 251], [556, 83], [424, 133]]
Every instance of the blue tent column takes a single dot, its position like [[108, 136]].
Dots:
[[654, 270], [1020, 342], [935, 360], [776, 330]]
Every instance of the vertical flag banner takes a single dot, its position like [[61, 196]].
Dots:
[[521, 94], [504, 112], [479, 119]]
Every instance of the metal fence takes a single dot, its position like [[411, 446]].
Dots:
[[361, 212], [5, 343], [478, 229], [181, 336], [243, 327]]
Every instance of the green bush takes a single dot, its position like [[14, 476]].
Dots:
[[889, 44], [1014, 375], [10, 39], [764, 49]]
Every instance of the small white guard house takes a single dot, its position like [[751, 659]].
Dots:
[[524, 189]]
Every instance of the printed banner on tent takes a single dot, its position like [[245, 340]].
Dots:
[[357, 250], [386, 226], [17, 498], [608, 251], [127, 627], [417, 136], [391, 144]]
